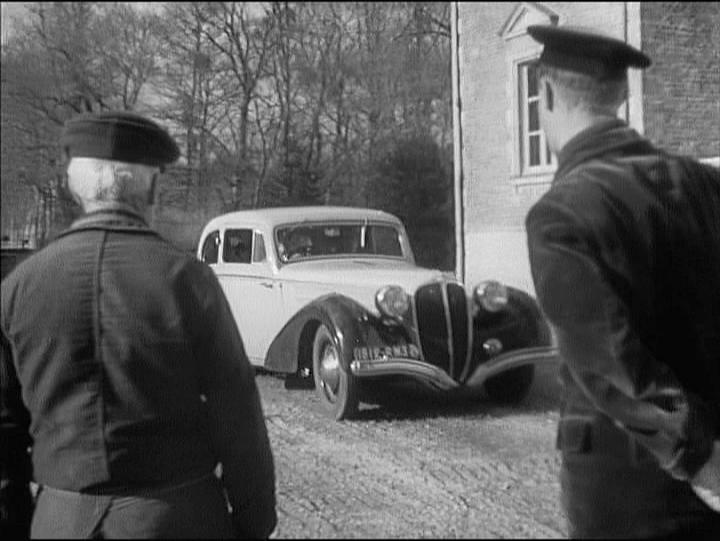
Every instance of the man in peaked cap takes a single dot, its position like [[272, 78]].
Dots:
[[123, 370], [625, 257]]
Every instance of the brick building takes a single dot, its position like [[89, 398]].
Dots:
[[502, 162]]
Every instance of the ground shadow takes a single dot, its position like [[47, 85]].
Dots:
[[385, 401], [393, 402]]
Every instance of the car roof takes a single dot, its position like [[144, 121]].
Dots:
[[273, 216]]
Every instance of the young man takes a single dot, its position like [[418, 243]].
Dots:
[[625, 256], [123, 369]]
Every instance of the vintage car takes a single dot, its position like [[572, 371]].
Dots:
[[333, 295]]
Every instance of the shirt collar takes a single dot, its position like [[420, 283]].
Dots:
[[604, 137], [121, 217]]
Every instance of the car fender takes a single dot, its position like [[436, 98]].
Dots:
[[519, 325], [523, 310], [340, 314], [527, 308]]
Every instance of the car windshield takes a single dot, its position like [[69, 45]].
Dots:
[[336, 240]]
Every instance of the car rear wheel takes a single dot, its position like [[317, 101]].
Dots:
[[511, 387], [338, 389]]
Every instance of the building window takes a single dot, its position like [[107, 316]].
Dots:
[[535, 155]]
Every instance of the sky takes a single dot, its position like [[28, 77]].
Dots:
[[13, 10]]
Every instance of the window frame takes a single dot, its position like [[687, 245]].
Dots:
[[524, 102], [521, 173]]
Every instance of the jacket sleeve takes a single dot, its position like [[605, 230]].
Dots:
[[237, 425], [16, 505], [600, 347]]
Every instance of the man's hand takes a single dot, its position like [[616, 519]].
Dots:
[[706, 482]]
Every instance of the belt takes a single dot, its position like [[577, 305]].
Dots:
[[146, 491]]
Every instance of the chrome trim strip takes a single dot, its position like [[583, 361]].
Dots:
[[448, 327], [469, 307], [415, 325], [512, 359], [404, 367]]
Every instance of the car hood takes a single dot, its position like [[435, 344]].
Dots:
[[370, 273], [358, 279]]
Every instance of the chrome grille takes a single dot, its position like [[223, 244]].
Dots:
[[442, 319], [457, 302]]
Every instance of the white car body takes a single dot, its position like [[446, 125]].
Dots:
[[264, 295], [334, 292]]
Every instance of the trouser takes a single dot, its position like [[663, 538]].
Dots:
[[195, 509], [612, 487]]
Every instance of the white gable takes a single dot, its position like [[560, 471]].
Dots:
[[525, 14]]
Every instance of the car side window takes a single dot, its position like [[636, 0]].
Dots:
[[210, 248], [237, 245], [259, 254]]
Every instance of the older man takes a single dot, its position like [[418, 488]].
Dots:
[[123, 369], [625, 255]]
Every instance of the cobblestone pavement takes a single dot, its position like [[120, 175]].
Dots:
[[416, 468]]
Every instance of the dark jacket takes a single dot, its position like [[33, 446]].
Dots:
[[625, 256], [123, 364]]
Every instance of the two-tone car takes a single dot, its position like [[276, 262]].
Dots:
[[334, 294]]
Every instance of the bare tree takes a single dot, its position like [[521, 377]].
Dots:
[[65, 59], [241, 33], [196, 96], [271, 102]]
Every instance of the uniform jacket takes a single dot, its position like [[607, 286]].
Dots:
[[123, 368], [625, 256]]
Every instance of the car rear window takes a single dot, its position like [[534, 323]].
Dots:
[[209, 253]]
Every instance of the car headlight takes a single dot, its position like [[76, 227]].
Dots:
[[491, 295], [392, 301]]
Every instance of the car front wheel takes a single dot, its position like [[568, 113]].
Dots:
[[338, 389]]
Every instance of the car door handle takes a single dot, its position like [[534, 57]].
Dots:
[[268, 285]]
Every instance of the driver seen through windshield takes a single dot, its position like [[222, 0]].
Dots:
[[322, 240]]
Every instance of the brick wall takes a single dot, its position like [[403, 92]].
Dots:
[[496, 199], [680, 103], [682, 87]]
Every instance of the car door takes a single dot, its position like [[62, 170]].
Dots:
[[252, 290]]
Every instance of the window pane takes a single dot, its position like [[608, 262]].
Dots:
[[210, 248], [295, 242], [532, 80], [259, 249], [335, 240], [548, 154], [534, 150], [533, 116], [237, 245], [386, 240]]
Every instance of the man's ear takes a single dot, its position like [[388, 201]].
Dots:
[[549, 96]]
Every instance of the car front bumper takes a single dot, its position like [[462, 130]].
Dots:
[[438, 378]]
